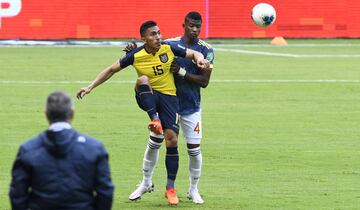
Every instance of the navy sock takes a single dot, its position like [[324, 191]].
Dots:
[[147, 100], [172, 165]]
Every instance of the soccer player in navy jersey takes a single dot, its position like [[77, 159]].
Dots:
[[155, 93], [189, 79]]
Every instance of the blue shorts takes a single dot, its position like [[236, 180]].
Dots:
[[167, 106]]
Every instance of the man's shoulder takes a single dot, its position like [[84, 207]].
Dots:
[[174, 39], [175, 47], [33, 143], [203, 43], [128, 58], [165, 45], [134, 51], [88, 140], [37, 141], [89, 144]]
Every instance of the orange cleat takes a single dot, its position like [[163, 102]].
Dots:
[[170, 194], [155, 126]]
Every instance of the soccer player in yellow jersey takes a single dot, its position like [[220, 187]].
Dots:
[[155, 93]]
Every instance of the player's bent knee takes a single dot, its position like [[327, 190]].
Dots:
[[142, 80], [142, 84], [171, 142], [171, 138]]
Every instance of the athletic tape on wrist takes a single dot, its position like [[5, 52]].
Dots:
[[182, 72]]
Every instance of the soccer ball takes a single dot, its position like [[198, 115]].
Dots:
[[263, 15]]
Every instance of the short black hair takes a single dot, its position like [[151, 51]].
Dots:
[[146, 25], [193, 15], [59, 107]]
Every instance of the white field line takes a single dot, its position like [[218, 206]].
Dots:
[[288, 54], [29, 82]]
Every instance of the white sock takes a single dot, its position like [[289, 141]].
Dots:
[[151, 156], [195, 163]]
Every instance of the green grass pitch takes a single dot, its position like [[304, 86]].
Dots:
[[281, 125]]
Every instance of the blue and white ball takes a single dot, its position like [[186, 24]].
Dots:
[[263, 15]]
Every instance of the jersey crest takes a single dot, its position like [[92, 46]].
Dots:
[[164, 57]]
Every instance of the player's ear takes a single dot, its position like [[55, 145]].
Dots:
[[184, 25], [143, 39]]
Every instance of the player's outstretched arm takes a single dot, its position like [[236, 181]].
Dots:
[[198, 57], [100, 78]]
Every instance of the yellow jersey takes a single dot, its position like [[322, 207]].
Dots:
[[156, 66]]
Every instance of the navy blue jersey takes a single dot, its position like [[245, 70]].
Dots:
[[188, 92]]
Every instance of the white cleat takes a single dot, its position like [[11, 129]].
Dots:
[[141, 190], [195, 196]]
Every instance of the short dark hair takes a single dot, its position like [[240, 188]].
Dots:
[[193, 15], [146, 25], [59, 107]]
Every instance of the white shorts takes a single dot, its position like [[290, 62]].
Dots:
[[191, 127]]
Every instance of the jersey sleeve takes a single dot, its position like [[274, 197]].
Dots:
[[177, 49], [209, 55], [127, 60]]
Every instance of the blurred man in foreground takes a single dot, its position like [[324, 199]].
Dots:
[[61, 168]]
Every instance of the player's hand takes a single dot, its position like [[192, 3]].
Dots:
[[174, 67], [82, 92], [206, 69], [130, 46], [203, 64]]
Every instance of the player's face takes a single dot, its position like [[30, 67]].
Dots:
[[152, 38], [192, 28]]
